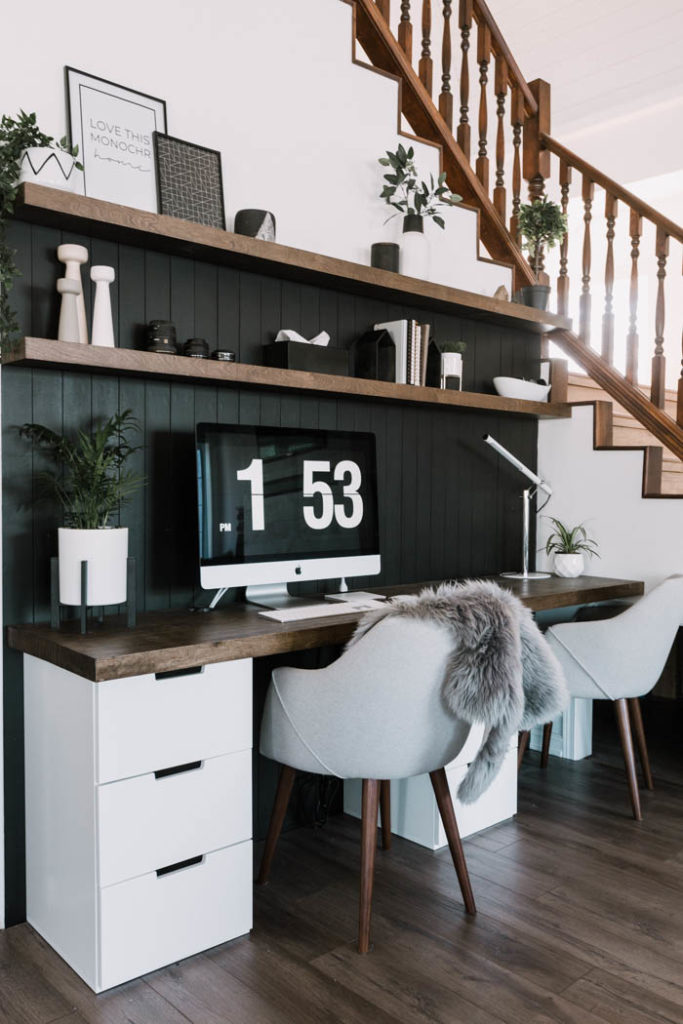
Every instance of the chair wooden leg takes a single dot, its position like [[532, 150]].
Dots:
[[621, 709], [445, 805], [284, 791], [521, 747], [370, 801], [547, 736], [637, 726], [385, 812]]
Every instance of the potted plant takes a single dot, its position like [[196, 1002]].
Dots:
[[415, 200], [569, 544], [26, 154], [91, 484], [541, 223]]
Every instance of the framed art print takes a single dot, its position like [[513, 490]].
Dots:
[[113, 127], [190, 181]]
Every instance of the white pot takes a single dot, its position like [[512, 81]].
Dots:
[[43, 165], [106, 552], [451, 366], [568, 565], [414, 260]]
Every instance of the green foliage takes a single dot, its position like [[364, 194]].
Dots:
[[541, 223], [407, 195], [90, 481], [16, 135], [565, 540], [451, 346]]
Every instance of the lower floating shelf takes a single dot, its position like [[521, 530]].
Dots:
[[64, 355]]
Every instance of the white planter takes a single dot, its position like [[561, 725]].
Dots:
[[43, 165], [568, 565], [414, 261], [451, 366], [106, 552]]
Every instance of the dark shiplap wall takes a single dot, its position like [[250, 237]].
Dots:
[[448, 506]]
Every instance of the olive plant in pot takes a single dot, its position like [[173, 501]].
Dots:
[[91, 483], [416, 201], [569, 544], [542, 224], [26, 154]]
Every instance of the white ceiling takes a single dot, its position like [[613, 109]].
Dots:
[[616, 71]]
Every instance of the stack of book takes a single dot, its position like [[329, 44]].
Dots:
[[411, 340]]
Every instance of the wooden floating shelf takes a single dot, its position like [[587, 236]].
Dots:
[[65, 355], [53, 207]]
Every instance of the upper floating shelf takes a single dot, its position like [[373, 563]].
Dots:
[[54, 207], [65, 355]]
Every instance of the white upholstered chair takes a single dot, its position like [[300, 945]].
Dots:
[[375, 714], [620, 659]]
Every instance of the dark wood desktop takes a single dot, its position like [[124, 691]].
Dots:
[[165, 641]]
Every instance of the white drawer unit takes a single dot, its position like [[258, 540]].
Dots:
[[138, 815]]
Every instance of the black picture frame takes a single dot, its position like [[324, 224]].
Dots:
[[189, 181], [118, 156]]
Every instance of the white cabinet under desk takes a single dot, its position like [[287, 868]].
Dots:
[[138, 815]]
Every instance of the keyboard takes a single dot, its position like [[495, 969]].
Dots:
[[320, 610]]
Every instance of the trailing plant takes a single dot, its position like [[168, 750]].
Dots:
[[90, 481], [542, 223], [16, 135], [410, 196], [565, 540]]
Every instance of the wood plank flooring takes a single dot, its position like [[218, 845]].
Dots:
[[580, 922]]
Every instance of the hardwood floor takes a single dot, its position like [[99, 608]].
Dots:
[[580, 921]]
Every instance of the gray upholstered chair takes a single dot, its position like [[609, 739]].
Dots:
[[620, 659], [374, 714]]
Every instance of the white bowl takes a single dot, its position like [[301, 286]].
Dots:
[[514, 387]]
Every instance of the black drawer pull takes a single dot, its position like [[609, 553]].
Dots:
[[191, 766], [180, 865], [176, 673]]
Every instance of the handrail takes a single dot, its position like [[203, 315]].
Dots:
[[593, 174], [501, 49]]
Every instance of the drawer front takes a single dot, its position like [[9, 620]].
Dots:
[[146, 723], [152, 921], [147, 822]]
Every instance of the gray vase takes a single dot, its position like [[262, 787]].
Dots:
[[535, 295]]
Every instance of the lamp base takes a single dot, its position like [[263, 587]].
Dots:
[[526, 575]]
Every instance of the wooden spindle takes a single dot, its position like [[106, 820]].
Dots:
[[425, 66], [563, 279], [658, 391], [587, 192], [405, 30], [501, 85], [465, 23], [608, 315], [384, 8], [632, 341], [536, 159], [517, 120], [446, 96], [483, 57]]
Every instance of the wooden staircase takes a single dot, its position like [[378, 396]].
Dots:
[[487, 163]]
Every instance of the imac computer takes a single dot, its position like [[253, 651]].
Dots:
[[280, 504]]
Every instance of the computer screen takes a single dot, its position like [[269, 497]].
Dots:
[[280, 504]]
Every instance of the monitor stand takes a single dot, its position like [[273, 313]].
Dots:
[[274, 595]]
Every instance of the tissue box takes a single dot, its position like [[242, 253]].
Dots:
[[295, 355]]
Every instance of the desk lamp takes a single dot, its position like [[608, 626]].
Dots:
[[527, 495]]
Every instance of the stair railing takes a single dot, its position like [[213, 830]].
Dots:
[[515, 145]]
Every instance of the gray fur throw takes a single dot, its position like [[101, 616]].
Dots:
[[501, 670]]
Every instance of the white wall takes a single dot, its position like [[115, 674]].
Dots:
[[271, 85], [638, 538]]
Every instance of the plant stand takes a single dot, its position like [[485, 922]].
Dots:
[[56, 608]]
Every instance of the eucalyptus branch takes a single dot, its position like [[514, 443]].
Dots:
[[407, 194]]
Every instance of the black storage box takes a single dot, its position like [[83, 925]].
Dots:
[[296, 355]]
